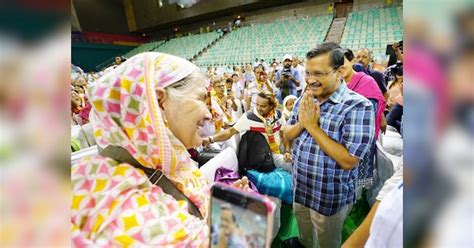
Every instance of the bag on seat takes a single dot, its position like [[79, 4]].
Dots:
[[254, 153]]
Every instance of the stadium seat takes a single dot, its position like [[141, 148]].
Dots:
[[380, 27]]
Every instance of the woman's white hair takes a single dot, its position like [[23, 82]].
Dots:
[[184, 87]]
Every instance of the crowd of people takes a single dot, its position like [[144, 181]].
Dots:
[[318, 117]]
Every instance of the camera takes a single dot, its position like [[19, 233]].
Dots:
[[286, 72], [394, 70]]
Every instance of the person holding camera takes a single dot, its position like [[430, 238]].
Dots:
[[394, 74], [287, 79]]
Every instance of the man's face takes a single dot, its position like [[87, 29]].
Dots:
[[118, 60], [263, 106], [226, 219], [287, 63], [363, 57], [321, 79], [228, 85], [263, 77], [295, 62], [219, 88], [235, 78]]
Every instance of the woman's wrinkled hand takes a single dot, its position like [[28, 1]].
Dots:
[[242, 183]]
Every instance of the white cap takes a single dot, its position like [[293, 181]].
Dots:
[[287, 56]]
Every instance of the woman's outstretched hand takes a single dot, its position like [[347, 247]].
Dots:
[[242, 183]]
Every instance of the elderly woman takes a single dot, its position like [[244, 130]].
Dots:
[[145, 114]]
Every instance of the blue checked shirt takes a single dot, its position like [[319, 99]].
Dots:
[[321, 184]]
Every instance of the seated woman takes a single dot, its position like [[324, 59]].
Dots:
[[137, 116], [288, 104]]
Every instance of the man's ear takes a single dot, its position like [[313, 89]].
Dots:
[[161, 96], [340, 71]]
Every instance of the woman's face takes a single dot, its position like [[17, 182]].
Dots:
[[289, 104], [186, 116], [347, 67]]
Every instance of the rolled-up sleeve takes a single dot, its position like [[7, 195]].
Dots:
[[358, 131]]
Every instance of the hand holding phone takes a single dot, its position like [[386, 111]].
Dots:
[[239, 218]]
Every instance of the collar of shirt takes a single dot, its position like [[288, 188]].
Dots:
[[336, 97]]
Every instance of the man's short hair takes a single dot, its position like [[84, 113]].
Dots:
[[270, 97], [235, 74], [336, 55], [369, 52], [349, 54]]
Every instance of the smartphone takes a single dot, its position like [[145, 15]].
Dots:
[[239, 219]]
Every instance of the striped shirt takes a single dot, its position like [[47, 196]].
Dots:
[[250, 122], [320, 183]]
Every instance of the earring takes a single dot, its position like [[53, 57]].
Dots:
[[163, 116]]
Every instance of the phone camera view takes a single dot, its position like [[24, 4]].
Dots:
[[233, 226]]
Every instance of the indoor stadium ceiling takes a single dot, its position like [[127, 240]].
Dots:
[[145, 16]]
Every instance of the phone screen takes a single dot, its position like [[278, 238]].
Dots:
[[237, 220]]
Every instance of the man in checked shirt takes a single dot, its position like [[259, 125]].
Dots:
[[332, 128]]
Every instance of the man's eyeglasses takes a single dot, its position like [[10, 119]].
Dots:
[[319, 74]]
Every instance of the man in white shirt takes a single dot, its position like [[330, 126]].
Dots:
[[256, 63], [261, 84], [296, 63], [265, 119]]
